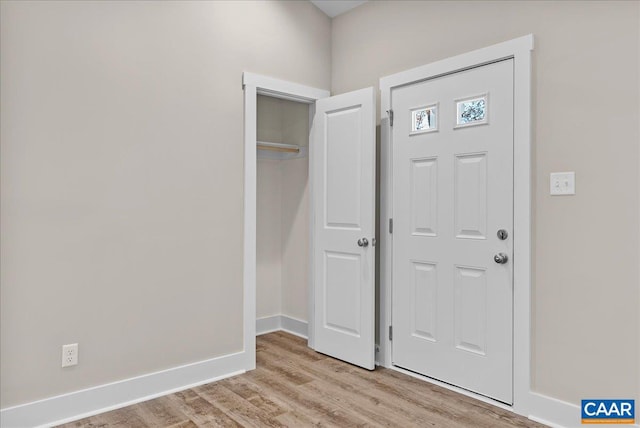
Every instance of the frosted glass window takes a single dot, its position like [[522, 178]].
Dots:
[[424, 119], [472, 111]]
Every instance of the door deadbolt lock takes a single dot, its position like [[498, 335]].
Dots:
[[363, 242], [503, 234], [501, 258]]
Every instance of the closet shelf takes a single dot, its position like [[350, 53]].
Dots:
[[278, 147]]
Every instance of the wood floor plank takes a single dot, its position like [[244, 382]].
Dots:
[[412, 396], [186, 424], [241, 410], [286, 372], [338, 391], [392, 405], [305, 401], [290, 347], [161, 412], [126, 417], [257, 396], [293, 386], [439, 403], [202, 412], [295, 410]]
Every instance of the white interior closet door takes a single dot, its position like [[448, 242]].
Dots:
[[343, 165]]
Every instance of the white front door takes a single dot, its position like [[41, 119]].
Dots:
[[452, 307], [343, 177]]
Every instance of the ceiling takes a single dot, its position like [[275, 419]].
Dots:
[[334, 8]]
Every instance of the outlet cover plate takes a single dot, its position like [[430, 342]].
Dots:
[[69, 355], [562, 183]]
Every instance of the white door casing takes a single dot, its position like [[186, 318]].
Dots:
[[452, 191], [254, 84], [360, 348], [343, 176]]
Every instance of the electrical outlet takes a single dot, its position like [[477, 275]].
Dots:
[[562, 183], [69, 355]]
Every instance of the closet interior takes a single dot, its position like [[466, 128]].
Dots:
[[282, 208]]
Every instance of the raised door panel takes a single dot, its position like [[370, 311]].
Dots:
[[425, 295], [424, 196], [342, 309], [342, 168], [470, 318], [470, 181]]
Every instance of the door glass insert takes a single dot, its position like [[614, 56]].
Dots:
[[472, 111], [424, 119]]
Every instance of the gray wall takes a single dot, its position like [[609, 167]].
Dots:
[[586, 331], [122, 177]]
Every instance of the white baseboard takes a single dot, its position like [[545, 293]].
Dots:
[[268, 324], [103, 398], [282, 322], [553, 412], [295, 326], [557, 413]]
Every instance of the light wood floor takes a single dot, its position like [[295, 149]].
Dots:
[[294, 386]]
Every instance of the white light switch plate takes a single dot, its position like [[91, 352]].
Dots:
[[562, 183]]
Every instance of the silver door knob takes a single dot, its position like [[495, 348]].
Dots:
[[501, 258], [363, 242]]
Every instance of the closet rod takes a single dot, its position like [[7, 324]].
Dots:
[[278, 147]]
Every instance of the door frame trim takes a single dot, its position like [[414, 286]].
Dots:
[[520, 50], [254, 84]]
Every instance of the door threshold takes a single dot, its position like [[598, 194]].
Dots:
[[454, 388]]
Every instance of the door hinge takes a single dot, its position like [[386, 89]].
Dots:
[[390, 332], [390, 225], [390, 113]]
